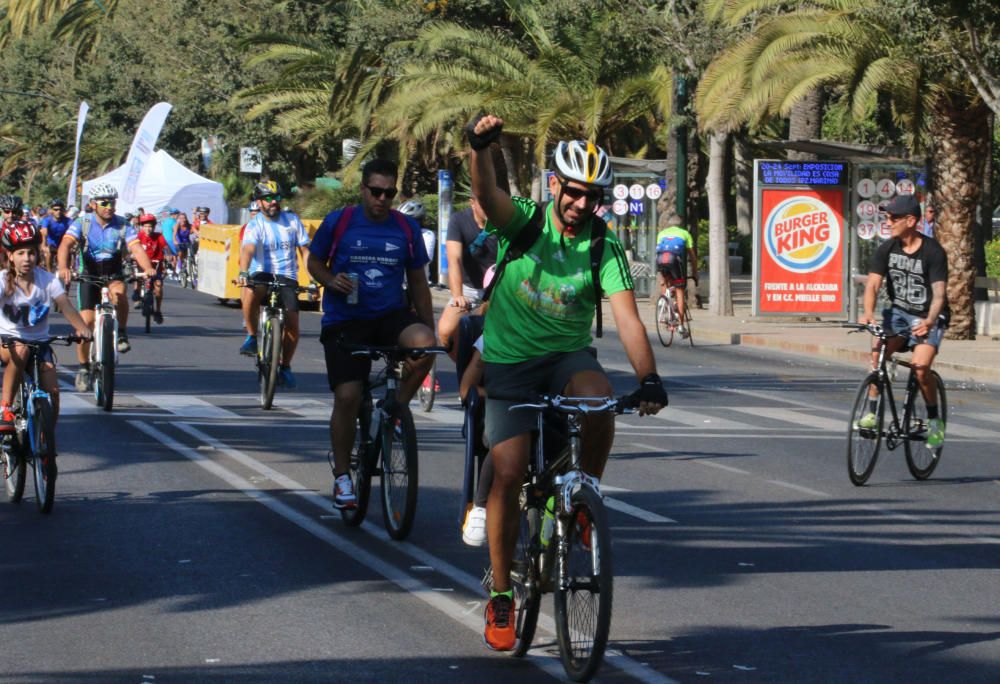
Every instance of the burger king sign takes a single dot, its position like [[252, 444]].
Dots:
[[800, 239]]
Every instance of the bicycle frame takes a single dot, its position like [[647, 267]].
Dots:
[[105, 308], [894, 433]]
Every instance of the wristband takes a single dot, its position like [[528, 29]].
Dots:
[[481, 142], [245, 275]]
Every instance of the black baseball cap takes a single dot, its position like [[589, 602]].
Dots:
[[903, 205]]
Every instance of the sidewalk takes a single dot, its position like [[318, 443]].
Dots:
[[958, 361]]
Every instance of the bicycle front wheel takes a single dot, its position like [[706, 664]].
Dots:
[[147, 308], [43, 447], [864, 430], [270, 352], [524, 577], [427, 389], [920, 459], [399, 474], [584, 587], [104, 382], [363, 462], [14, 470], [664, 329]]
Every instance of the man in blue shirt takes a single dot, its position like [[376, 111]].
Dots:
[[168, 218], [53, 226], [361, 255], [269, 251]]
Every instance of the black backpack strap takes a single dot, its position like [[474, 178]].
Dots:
[[598, 231], [529, 234]]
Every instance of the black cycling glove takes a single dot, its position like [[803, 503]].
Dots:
[[651, 390], [481, 142]]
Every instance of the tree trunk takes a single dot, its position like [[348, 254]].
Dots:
[[743, 179], [960, 145], [720, 298], [806, 121], [508, 163]]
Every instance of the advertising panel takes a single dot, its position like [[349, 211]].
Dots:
[[801, 245]]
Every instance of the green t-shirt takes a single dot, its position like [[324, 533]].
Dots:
[[544, 302]]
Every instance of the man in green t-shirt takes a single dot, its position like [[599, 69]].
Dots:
[[537, 334]]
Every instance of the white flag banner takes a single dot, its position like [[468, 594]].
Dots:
[[142, 147], [80, 119]]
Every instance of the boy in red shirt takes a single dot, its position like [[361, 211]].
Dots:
[[155, 246]]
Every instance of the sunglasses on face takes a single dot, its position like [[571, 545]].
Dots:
[[265, 198], [104, 204], [575, 193], [378, 192]]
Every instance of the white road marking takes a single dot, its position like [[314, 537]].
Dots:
[[635, 511], [74, 405], [952, 430], [443, 416], [720, 466], [306, 408], [692, 419], [799, 488], [186, 406], [796, 417], [544, 660]]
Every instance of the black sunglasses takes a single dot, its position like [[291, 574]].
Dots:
[[378, 192], [575, 193]]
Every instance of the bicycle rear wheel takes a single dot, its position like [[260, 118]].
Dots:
[[524, 577], [270, 353], [399, 474], [920, 459], [104, 380], [583, 597], [664, 329], [183, 274], [43, 447], [364, 456], [14, 469], [863, 441], [687, 321], [427, 389]]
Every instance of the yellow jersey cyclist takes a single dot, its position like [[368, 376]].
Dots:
[[674, 248], [536, 337], [915, 270]]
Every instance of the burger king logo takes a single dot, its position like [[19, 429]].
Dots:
[[802, 234]]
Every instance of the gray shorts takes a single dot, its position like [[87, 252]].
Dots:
[[474, 296], [900, 322], [547, 374]]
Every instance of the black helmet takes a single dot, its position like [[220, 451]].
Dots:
[[265, 188], [57, 203], [10, 203]]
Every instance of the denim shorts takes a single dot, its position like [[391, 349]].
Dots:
[[899, 322]]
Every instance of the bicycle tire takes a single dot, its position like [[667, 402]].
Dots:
[[524, 578], [147, 308], [184, 277], [14, 469], [43, 447], [663, 329], [863, 443], [270, 356], [921, 460], [426, 392], [399, 474], [687, 320], [583, 606], [363, 458], [104, 384]]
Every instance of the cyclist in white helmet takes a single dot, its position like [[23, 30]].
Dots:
[[537, 333], [415, 208]]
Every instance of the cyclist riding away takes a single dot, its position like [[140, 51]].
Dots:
[[271, 246], [104, 240], [361, 255], [53, 226], [537, 331], [155, 246], [674, 248], [27, 295], [917, 269]]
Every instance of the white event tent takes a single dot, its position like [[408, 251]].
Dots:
[[165, 182]]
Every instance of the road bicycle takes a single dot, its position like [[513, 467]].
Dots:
[[270, 333], [385, 442], [33, 440], [188, 267], [668, 319], [910, 429], [564, 543], [104, 347]]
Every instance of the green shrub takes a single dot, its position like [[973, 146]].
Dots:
[[317, 202], [993, 258]]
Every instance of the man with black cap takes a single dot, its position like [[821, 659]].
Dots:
[[915, 268]]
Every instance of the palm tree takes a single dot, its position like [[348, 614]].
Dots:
[[79, 21], [847, 44]]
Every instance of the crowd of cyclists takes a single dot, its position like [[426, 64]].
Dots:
[[541, 269]]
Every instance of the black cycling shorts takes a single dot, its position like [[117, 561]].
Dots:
[[674, 273], [289, 296], [341, 365], [89, 294]]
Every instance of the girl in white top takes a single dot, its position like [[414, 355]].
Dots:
[[27, 295]]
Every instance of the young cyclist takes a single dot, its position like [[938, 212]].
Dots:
[[27, 295], [155, 246]]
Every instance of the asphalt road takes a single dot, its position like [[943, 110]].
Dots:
[[192, 537]]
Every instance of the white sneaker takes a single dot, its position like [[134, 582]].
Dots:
[[474, 529], [683, 331], [343, 493]]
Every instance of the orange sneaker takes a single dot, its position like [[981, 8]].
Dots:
[[7, 419], [499, 634]]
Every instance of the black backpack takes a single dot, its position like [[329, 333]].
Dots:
[[530, 234]]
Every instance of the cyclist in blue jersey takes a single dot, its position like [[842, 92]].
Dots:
[[362, 255], [674, 248], [53, 226], [271, 245], [104, 240]]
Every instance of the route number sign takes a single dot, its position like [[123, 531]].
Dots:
[[620, 191], [620, 206], [905, 187], [886, 188], [866, 187], [653, 191], [866, 210]]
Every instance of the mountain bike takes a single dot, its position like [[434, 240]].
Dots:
[[33, 440], [147, 296], [668, 319], [270, 333], [565, 549], [910, 429], [104, 347], [385, 443]]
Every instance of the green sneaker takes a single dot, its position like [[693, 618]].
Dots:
[[868, 421], [935, 433]]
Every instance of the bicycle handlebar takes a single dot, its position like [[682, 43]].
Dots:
[[7, 340], [392, 352], [627, 403], [312, 288], [105, 279], [873, 328]]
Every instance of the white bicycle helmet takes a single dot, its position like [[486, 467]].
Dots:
[[414, 208], [104, 191], [584, 162]]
